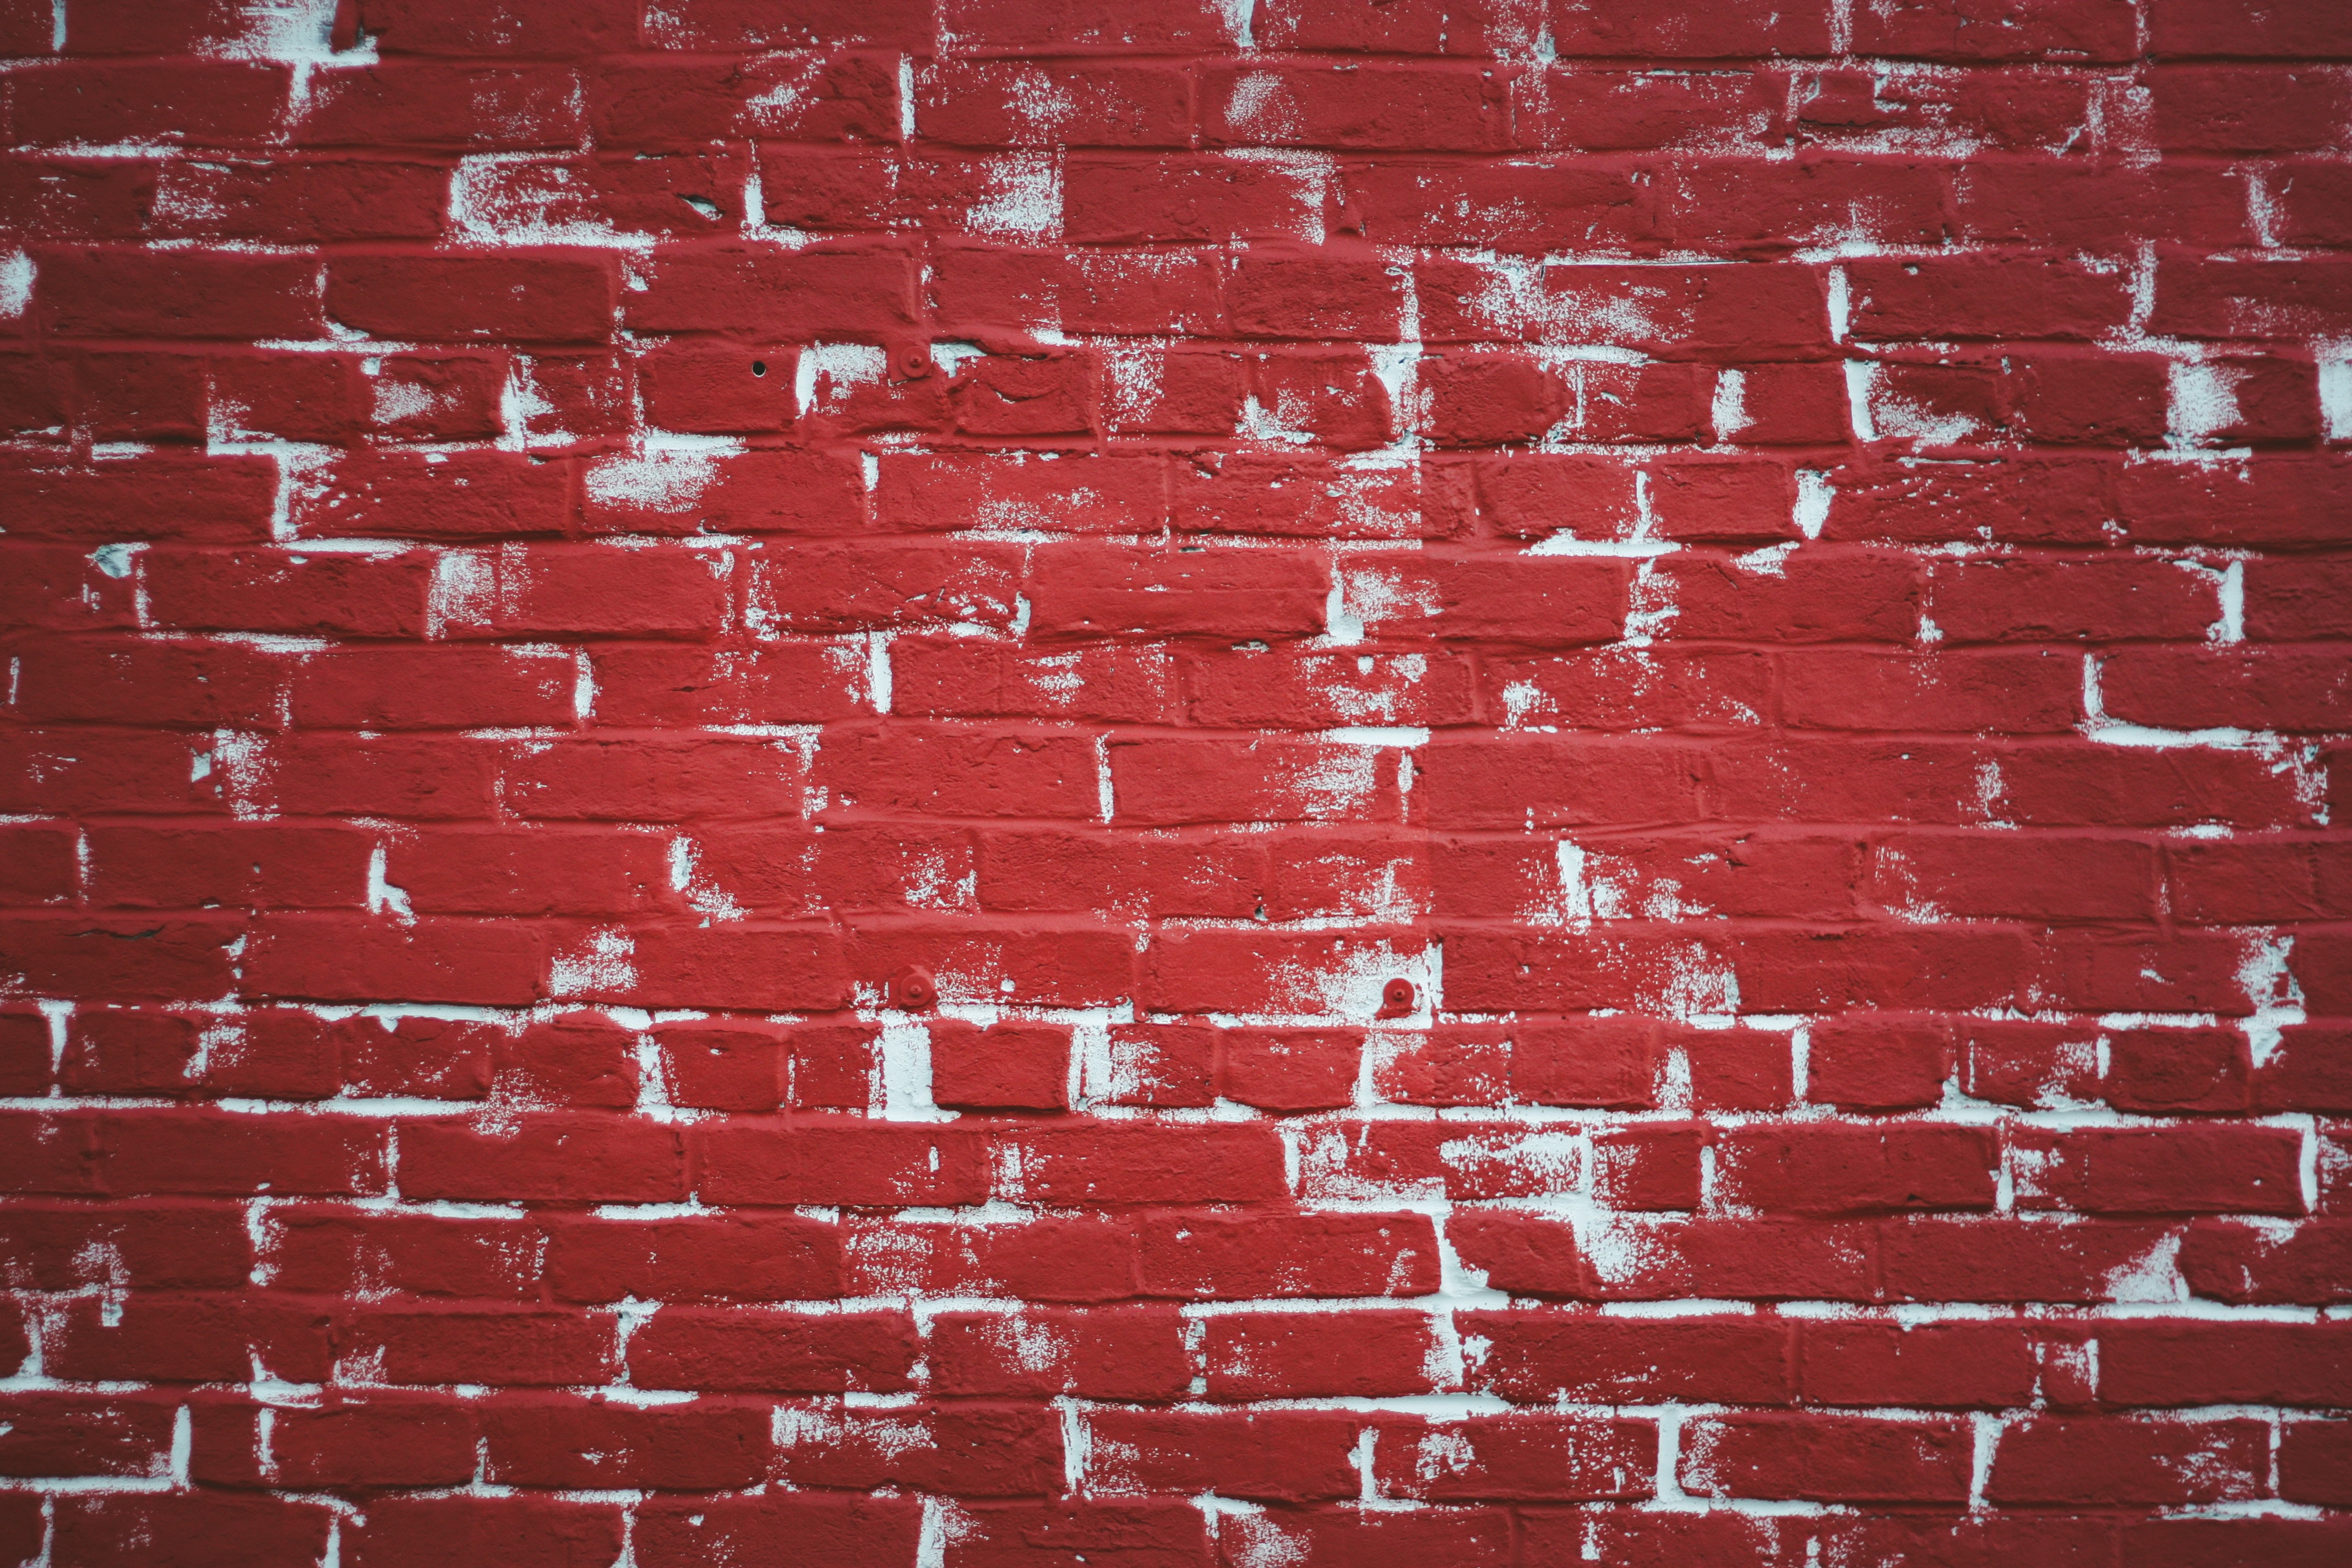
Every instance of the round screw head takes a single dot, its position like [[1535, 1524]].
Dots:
[[913, 990], [1398, 998]]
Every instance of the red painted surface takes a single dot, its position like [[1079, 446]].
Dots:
[[1300, 783]]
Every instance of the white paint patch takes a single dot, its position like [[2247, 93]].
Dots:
[[2335, 393], [516, 199], [1134, 385], [465, 591], [663, 479], [249, 773], [1262, 108], [1333, 781], [1729, 412], [2153, 1275], [1815, 495], [1022, 199], [828, 373], [601, 963], [1860, 375], [2201, 401], [1892, 416], [904, 1079], [383, 896], [300, 31], [702, 895], [1538, 302], [2269, 983]]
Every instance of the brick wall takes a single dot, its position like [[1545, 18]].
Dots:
[[1175, 782]]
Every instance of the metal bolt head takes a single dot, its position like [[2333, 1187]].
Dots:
[[913, 991], [1398, 998]]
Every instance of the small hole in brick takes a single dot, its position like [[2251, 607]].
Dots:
[[759, 367]]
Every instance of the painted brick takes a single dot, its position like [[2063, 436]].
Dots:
[[880, 782]]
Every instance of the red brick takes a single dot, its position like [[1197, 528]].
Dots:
[[1080, 591], [1556, 1458], [2198, 300], [411, 101], [2222, 1363], [2184, 690], [1466, 1160], [352, 959], [1829, 595], [1065, 1532], [546, 297], [189, 1531], [1834, 1458], [2025, 691], [880, 1166], [1276, 1456], [404, 689], [680, 1259], [2199, 1542], [175, 684], [1831, 1170], [1289, 1070], [1537, 1356], [857, 587], [402, 1443], [464, 495], [1049, 1259], [1450, 109], [2045, 876], [1007, 1066], [1775, 207], [1473, 1536], [736, 1350], [25, 1067], [580, 1158], [439, 27], [777, 295], [146, 1246], [1115, 197], [2306, 1071], [187, 1339], [560, 1441], [526, 1531], [1746, 312], [976, 103], [1331, 1255], [822, 1531], [2246, 109], [1656, 1167], [674, 685], [1294, 1355], [963, 1449], [2031, 297], [328, 1251], [1117, 1352], [2107, 1461], [2181, 1170], [274, 591], [1989, 30], [522, 1345], [1938, 1364], [178, 294]]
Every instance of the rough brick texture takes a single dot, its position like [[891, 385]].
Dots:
[[1274, 783]]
